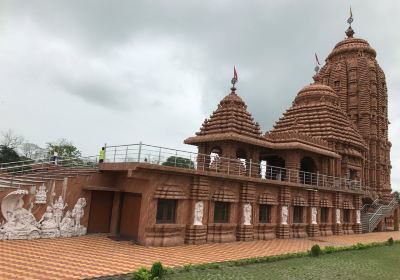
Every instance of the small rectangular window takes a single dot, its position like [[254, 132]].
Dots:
[[297, 214], [346, 215], [221, 212], [166, 209], [324, 215], [264, 214]]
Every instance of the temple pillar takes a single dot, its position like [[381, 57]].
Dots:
[[196, 231], [313, 227], [396, 219], [337, 226], [283, 229], [115, 214]]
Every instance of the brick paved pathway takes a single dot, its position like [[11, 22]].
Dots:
[[96, 255]]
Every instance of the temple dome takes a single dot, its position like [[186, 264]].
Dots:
[[231, 117], [316, 112]]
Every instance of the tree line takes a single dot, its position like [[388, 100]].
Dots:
[[14, 147]]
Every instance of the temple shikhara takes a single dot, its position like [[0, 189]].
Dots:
[[323, 169]]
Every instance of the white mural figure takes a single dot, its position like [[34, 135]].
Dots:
[[313, 215], [247, 214], [358, 216], [41, 195], [198, 213], [20, 222], [338, 216], [67, 225], [284, 218], [58, 209], [48, 224], [77, 214]]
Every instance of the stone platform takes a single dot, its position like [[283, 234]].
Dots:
[[96, 255]]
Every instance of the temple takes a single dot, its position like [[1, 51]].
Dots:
[[323, 169]]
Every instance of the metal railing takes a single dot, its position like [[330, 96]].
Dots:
[[15, 172], [382, 212], [143, 153]]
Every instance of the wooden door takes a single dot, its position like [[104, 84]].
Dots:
[[100, 212], [130, 214]]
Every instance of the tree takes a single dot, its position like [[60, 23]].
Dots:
[[397, 196], [64, 148], [179, 162], [11, 140], [33, 151], [8, 154]]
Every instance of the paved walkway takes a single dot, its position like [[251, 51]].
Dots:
[[96, 255]]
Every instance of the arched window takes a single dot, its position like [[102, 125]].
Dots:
[[308, 170], [242, 160], [275, 167], [215, 155]]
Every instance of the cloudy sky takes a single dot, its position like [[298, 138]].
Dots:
[[118, 72]]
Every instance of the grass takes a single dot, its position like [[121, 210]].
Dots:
[[380, 262], [359, 261]]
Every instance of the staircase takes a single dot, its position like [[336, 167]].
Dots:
[[372, 214]]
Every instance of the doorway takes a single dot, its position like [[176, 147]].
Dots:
[[130, 215], [100, 212]]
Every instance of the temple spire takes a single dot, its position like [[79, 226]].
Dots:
[[234, 79], [350, 31]]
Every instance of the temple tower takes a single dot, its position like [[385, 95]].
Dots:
[[352, 71]]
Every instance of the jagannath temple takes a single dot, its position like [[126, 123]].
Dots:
[[323, 169]]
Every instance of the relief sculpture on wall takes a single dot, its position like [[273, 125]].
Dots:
[[247, 214], [20, 223], [198, 213]]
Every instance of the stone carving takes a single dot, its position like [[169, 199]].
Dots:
[[67, 225], [358, 216], [198, 213], [21, 223], [338, 216], [58, 209], [284, 215], [313, 215], [247, 214], [41, 195], [48, 224], [77, 214]]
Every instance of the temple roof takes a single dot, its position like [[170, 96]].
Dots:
[[316, 112], [351, 44], [231, 117]]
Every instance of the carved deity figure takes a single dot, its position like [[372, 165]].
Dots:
[[41, 195], [313, 215], [77, 212], [338, 216], [358, 217], [48, 220], [198, 213], [67, 223], [247, 214], [58, 209], [284, 215]]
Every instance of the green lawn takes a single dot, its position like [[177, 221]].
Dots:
[[374, 263]]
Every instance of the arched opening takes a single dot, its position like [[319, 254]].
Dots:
[[367, 200], [241, 156], [308, 170], [274, 167], [215, 161]]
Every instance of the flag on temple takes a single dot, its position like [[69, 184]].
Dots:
[[235, 76], [316, 59]]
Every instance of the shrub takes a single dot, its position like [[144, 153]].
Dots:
[[142, 274], [157, 270], [329, 249], [390, 241], [188, 267], [315, 250]]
